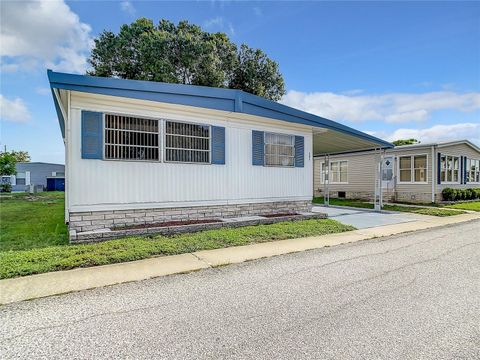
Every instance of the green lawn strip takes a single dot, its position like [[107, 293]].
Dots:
[[473, 206], [344, 202], [32, 220], [53, 258], [423, 210], [366, 205]]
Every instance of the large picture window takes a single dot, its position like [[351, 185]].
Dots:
[[449, 169], [413, 168], [279, 150], [131, 138], [188, 143], [338, 172], [473, 170]]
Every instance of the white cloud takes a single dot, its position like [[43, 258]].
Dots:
[[43, 91], [127, 7], [219, 23], [14, 110], [44, 32], [437, 133], [390, 108]]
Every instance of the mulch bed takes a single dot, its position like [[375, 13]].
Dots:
[[279, 215], [169, 223]]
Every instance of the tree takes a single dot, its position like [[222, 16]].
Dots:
[[21, 156], [7, 168], [184, 54], [257, 74], [402, 142]]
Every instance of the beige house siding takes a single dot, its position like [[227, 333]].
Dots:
[[360, 178], [361, 175]]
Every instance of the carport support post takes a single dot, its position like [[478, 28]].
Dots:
[[326, 180], [378, 201]]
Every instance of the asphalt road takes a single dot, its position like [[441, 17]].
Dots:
[[414, 296]]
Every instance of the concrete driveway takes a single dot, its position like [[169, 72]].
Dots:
[[364, 218]]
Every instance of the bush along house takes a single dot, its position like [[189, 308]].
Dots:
[[417, 173], [141, 153]]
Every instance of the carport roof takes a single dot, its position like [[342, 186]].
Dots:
[[329, 136]]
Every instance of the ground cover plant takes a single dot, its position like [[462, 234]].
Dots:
[[32, 220], [432, 211], [53, 258], [472, 206]]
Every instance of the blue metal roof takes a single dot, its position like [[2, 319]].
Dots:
[[199, 96]]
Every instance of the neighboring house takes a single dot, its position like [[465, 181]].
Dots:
[[142, 152], [411, 173], [39, 174]]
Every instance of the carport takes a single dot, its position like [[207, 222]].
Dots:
[[340, 139]]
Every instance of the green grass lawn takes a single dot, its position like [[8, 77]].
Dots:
[[53, 258], [473, 206], [34, 238], [30, 221], [366, 205]]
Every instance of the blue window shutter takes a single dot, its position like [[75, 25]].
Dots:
[[258, 148], [460, 175], [465, 169], [218, 145], [439, 163], [92, 135], [299, 151]]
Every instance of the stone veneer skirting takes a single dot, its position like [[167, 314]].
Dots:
[[97, 220]]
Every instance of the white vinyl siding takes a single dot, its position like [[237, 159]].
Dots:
[[279, 150], [449, 169], [413, 169], [107, 185], [187, 143], [131, 138]]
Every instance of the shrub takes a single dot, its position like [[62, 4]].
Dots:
[[6, 187], [450, 194]]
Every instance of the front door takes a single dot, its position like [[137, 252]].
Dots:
[[387, 172]]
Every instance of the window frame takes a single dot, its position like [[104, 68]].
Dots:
[[322, 178], [452, 170], [477, 170], [265, 149], [164, 147], [412, 169], [160, 121], [161, 139]]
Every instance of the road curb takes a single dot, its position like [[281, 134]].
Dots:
[[60, 282]]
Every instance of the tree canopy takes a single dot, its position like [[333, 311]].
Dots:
[[184, 54], [20, 156], [7, 163], [401, 142]]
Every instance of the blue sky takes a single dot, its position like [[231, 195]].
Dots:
[[393, 69]]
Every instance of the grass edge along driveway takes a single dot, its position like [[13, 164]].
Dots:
[[432, 211], [54, 258]]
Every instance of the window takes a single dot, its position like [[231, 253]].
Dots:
[[279, 150], [21, 178], [473, 170], [405, 169], [188, 143], [131, 138], [420, 168], [413, 168], [449, 168], [338, 172]]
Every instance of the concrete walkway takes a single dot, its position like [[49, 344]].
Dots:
[[55, 283], [366, 218]]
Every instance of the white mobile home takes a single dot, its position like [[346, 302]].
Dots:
[[410, 173], [141, 152]]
